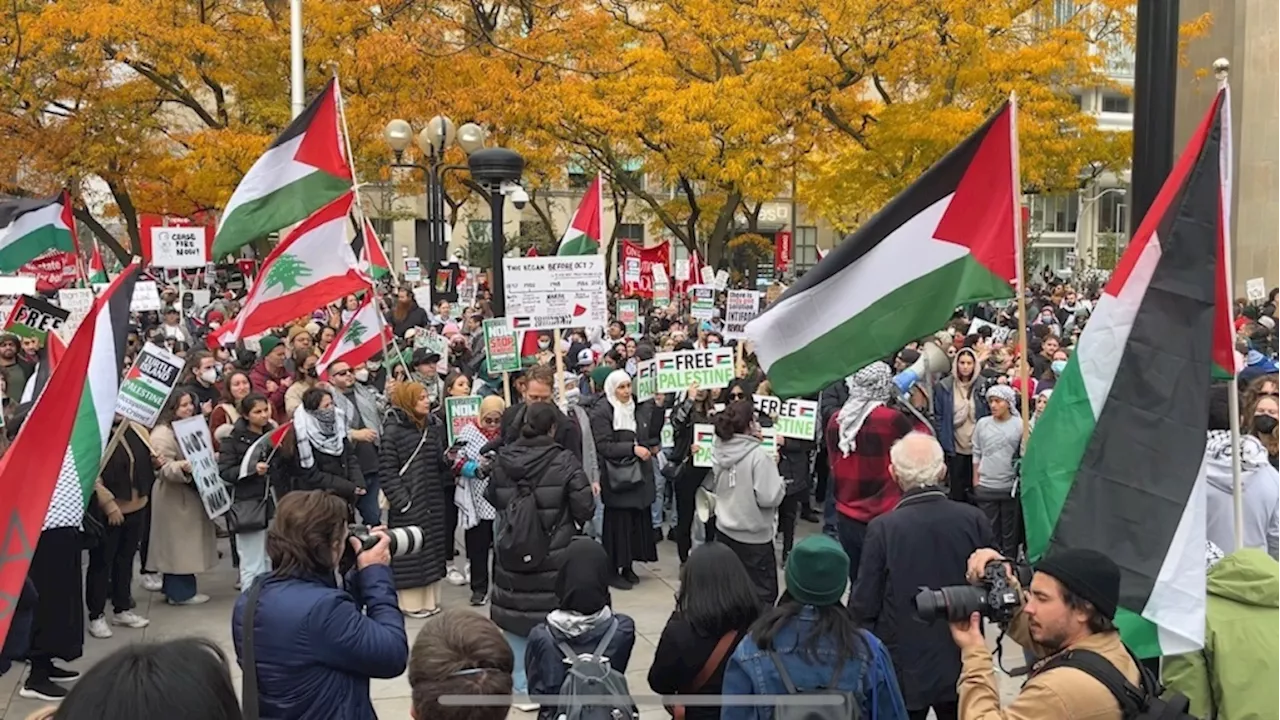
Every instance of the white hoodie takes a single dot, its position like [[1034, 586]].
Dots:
[[1261, 485]]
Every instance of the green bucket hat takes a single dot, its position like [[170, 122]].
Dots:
[[817, 571]]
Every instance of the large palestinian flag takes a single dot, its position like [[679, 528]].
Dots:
[[362, 337], [311, 267], [583, 234], [949, 239], [1112, 464], [31, 227], [40, 489], [301, 172]]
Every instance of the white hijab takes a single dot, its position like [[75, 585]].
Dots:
[[624, 414]]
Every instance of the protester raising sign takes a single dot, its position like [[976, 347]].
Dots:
[[193, 437], [711, 369], [460, 412], [703, 302], [147, 385], [629, 315], [35, 317], [500, 351], [791, 418], [740, 308]]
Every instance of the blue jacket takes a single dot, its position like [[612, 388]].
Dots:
[[316, 649], [545, 665], [751, 672], [944, 404]]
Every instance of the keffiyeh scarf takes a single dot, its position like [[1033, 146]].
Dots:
[[869, 388], [324, 430]]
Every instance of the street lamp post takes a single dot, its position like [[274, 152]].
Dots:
[[499, 170]]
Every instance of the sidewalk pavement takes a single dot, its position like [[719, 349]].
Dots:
[[650, 604]]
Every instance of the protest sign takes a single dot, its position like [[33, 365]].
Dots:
[[740, 308], [500, 351], [721, 280], [661, 290], [460, 412], [999, 333], [35, 317], [412, 269], [193, 438], [704, 302], [704, 438], [178, 247], [791, 418], [545, 293], [146, 296], [774, 292], [711, 369], [646, 384], [629, 315], [668, 434], [77, 302], [682, 270], [1255, 289], [147, 385]]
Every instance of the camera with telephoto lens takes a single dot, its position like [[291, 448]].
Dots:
[[405, 540], [995, 599]]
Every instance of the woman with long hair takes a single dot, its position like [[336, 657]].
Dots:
[[958, 403], [811, 641], [475, 511], [183, 541], [247, 474], [236, 386], [1261, 409], [625, 445], [305, 377], [412, 468], [715, 606]]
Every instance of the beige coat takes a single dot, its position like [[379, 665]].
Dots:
[[182, 535], [293, 395]]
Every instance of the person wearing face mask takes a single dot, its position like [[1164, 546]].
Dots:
[[1259, 480], [1261, 411], [204, 378], [304, 378], [374, 374]]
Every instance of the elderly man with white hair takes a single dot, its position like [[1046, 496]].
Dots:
[[925, 541]]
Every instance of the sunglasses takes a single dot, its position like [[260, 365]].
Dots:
[[736, 396], [1272, 393], [340, 372]]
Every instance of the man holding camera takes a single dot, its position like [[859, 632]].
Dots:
[[1069, 607]]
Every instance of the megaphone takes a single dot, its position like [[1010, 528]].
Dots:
[[932, 360]]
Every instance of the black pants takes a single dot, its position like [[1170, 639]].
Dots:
[[1005, 514], [761, 566], [942, 711], [851, 535], [479, 539], [788, 512], [960, 477], [821, 474], [451, 527], [110, 570], [686, 490], [145, 544]]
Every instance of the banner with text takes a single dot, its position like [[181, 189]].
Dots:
[[646, 384], [702, 302], [148, 383], [711, 369], [629, 315], [740, 308], [193, 438], [460, 412], [545, 293], [500, 351], [638, 262], [791, 418]]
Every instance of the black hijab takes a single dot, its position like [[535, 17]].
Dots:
[[582, 584]]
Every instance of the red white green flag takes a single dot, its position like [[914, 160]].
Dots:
[[31, 227], [97, 271], [583, 235], [367, 247], [362, 337]]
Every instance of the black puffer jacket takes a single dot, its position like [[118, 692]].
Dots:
[[252, 486], [521, 600], [418, 495], [618, 445], [339, 474]]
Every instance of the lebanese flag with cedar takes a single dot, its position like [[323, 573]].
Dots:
[[362, 337]]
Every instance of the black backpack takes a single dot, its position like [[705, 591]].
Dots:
[[522, 541], [1136, 703]]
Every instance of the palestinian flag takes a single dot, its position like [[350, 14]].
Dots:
[[302, 171], [583, 235], [31, 227], [949, 239], [312, 266], [97, 271], [263, 449], [1112, 464], [362, 337], [1226, 364], [367, 247], [44, 489]]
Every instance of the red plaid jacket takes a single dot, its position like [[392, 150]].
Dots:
[[864, 490]]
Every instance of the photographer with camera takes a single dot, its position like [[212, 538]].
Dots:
[[1064, 619], [308, 647]]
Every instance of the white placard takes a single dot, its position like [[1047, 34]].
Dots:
[[422, 294], [721, 280], [544, 293], [412, 270], [146, 296], [197, 448], [201, 298], [178, 247], [682, 270], [740, 308], [708, 274], [1255, 289], [19, 285], [78, 302]]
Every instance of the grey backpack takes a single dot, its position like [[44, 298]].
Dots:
[[834, 703], [592, 689]]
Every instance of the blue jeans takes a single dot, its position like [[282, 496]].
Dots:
[[519, 681], [659, 496], [595, 529], [367, 504], [253, 557], [178, 588]]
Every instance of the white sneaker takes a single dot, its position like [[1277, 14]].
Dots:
[[526, 707], [151, 582], [466, 571], [98, 628], [197, 599], [131, 619], [453, 577]]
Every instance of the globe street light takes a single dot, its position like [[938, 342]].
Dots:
[[499, 170]]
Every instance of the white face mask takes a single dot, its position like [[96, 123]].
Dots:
[[209, 376], [362, 375], [373, 365], [214, 325], [713, 345]]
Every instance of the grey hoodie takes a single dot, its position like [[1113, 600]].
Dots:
[[1261, 498], [748, 489]]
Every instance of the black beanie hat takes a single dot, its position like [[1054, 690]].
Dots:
[[1089, 574]]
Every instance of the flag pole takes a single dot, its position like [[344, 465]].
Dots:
[[1020, 284], [1221, 68]]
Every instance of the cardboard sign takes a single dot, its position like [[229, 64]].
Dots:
[[460, 412], [682, 270], [501, 354], [646, 382], [148, 384], [35, 317], [178, 247], [413, 271], [629, 315], [791, 418], [77, 302], [1255, 289], [197, 447], [703, 305], [146, 296], [740, 308], [711, 369], [545, 293]]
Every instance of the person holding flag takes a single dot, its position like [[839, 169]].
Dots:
[[244, 464]]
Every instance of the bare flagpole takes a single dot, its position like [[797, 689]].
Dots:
[[1021, 284]]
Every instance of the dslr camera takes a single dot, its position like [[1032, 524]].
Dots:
[[404, 540], [995, 599]]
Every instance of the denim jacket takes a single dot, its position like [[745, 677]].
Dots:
[[751, 671]]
